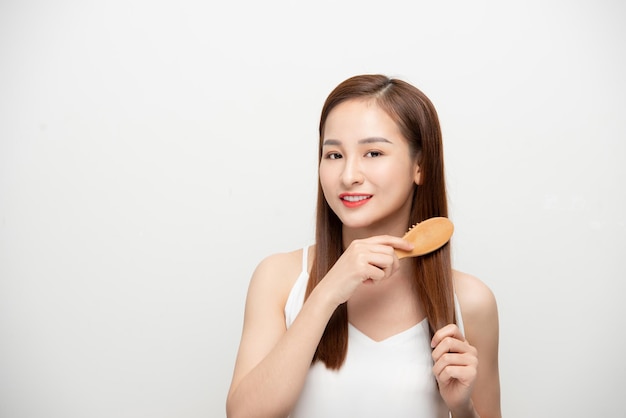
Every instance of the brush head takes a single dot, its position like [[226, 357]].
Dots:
[[427, 236]]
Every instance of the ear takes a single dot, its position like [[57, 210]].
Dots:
[[417, 177]]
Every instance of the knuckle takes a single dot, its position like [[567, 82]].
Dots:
[[448, 341]]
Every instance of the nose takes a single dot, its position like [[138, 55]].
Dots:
[[351, 173]]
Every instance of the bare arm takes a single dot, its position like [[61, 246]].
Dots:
[[480, 317], [272, 362]]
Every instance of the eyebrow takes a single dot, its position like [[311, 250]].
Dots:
[[370, 140]]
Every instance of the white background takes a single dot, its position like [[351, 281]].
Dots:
[[152, 153]]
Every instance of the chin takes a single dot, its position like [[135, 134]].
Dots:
[[363, 225], [384, 226], [352, 224]]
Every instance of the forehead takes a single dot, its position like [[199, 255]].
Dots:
[[359, 118]]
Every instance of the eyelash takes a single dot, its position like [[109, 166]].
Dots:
[[336, 155], [333, 156]]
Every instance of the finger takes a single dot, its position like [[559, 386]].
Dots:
[[374, 274], [381, 249], [393, 242], [457, 374], [454, 359], [364, 251], [449, 331], [384, 262], [391, 264], [446, 346], [379, 274], [453, 345], [462, 374]]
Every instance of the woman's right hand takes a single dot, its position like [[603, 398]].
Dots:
[[365, 260]]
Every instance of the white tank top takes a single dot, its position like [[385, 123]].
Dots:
[[389, 378]]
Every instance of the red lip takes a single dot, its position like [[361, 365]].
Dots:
[[354, 200]]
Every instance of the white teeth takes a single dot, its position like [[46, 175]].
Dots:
[[355, 198]]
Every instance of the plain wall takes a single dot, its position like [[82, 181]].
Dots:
[[152, 153]]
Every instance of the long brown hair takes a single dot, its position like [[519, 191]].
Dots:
[[416, 116]]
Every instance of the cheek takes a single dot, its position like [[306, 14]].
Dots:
[[392, 172], [324, 178], [397, 177]]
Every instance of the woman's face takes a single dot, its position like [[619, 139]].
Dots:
[[366, 172]]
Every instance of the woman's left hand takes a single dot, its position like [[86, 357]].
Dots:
[[456, 367]]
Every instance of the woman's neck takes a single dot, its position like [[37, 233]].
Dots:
[[396, 229]]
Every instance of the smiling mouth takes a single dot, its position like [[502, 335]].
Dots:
[[355, 198]]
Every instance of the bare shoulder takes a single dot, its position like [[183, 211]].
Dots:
[[275, 275], [268, 291], [479, 311], [475, 297]]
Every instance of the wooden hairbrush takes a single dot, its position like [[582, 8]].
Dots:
[[427, 236]]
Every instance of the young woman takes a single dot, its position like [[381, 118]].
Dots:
[[344, 328]]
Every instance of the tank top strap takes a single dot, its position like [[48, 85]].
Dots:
[[295, 299], [457, 314]]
